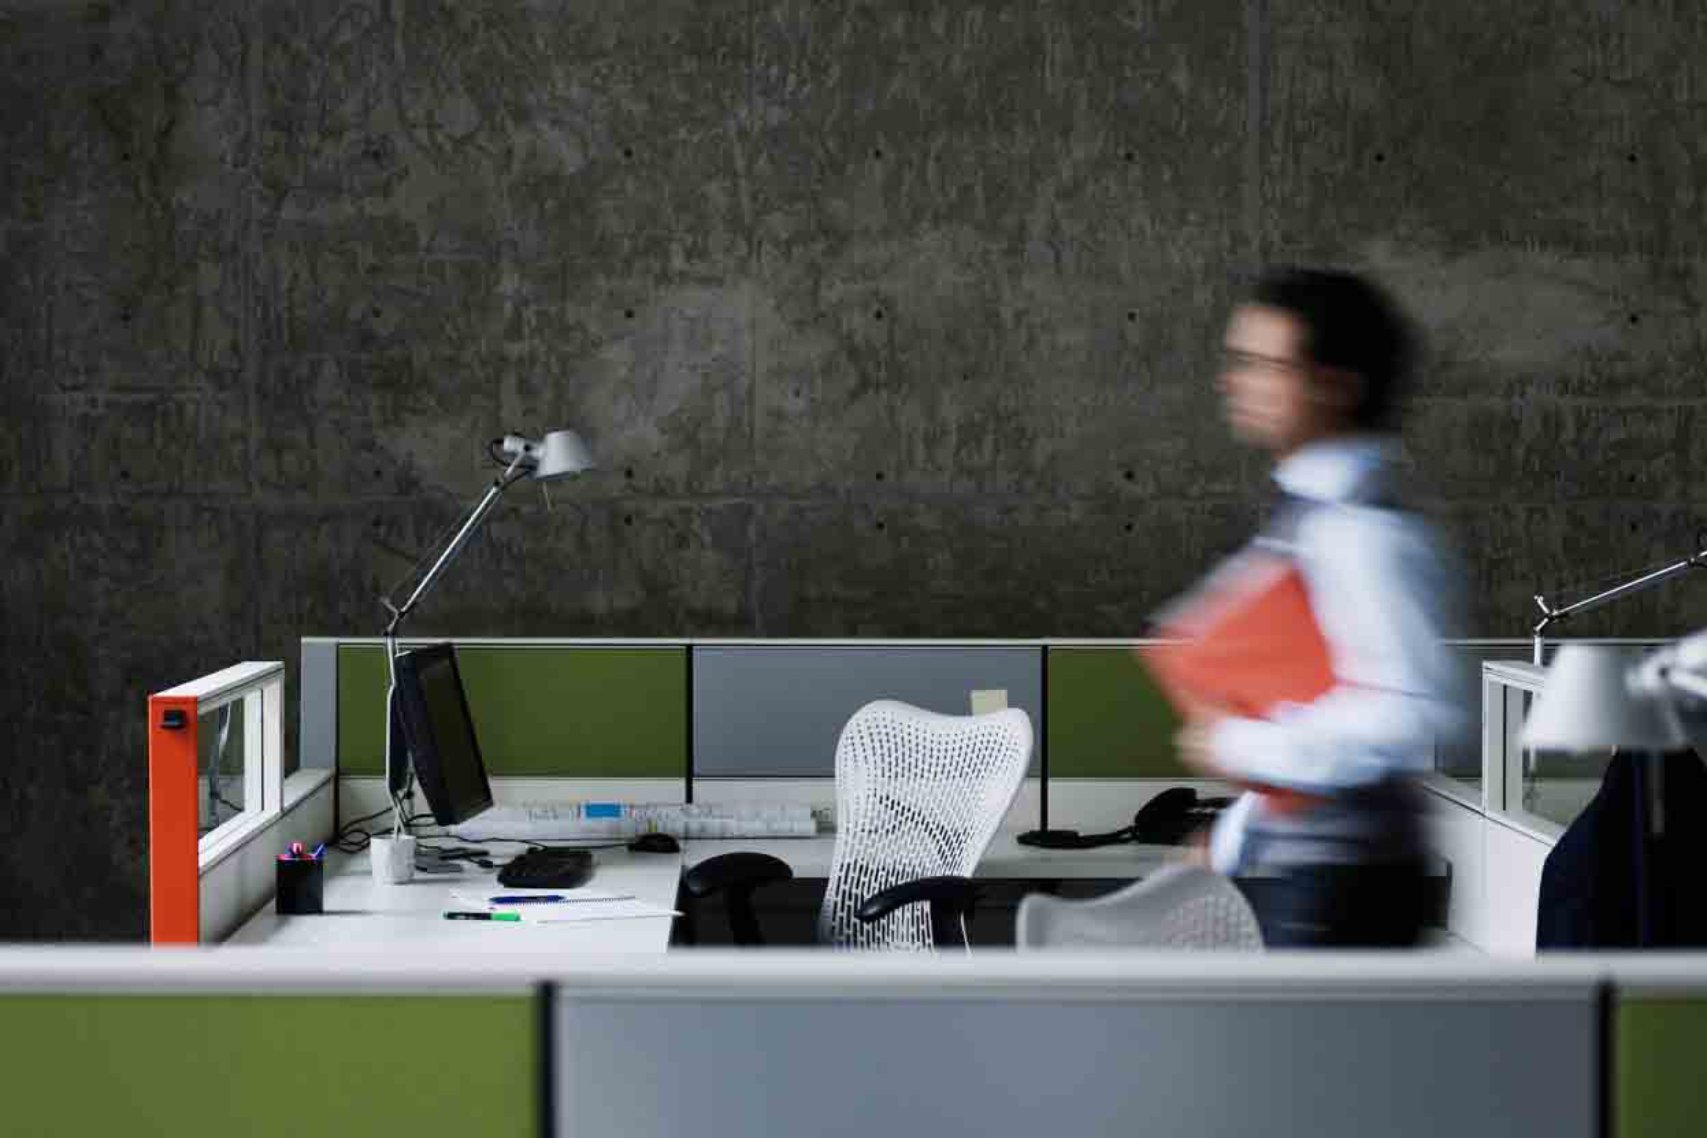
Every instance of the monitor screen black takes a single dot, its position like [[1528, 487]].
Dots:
[[440, 734]]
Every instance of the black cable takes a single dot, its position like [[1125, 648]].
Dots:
[[351, 838], [492, 452], [534, 843]]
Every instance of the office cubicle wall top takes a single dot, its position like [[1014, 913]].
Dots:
[[785, 973]]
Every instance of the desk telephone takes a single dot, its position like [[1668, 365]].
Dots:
[[1165, 820]]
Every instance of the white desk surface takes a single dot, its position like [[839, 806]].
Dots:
[[362, 914]]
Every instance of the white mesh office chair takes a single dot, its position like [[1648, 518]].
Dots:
[[918, 797], [1179, 906]]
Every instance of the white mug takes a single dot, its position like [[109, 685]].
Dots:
[[392, 858]]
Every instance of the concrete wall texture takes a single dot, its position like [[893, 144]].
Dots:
[[885, 319]]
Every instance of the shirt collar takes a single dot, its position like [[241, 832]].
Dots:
[[1334, 469]]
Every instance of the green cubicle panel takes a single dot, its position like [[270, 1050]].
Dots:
[[290, 1065], [1657, 1063], [540, 710], [1107, 718]]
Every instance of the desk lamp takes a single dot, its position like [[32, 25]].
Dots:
[[559, 455], [1596, 697]]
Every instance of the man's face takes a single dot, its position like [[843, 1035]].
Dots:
[[1273, 396]]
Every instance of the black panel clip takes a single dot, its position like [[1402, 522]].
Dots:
[[174, 719]]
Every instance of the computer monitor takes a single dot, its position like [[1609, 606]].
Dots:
[[440, 736]]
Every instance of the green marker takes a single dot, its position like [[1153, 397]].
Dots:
[[453, 915]]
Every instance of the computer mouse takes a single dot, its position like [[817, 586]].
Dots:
[[655, 843]]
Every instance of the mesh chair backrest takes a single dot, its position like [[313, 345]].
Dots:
[[918, 794], [1179, 906]]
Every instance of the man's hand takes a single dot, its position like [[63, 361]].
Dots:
[[1194, 739], [1195, 749]]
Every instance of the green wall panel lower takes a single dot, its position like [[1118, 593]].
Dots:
[[1107, 718], [218, 1066], [1658, 1059], [542, 711]]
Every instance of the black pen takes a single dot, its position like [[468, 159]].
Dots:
[[455, 915]]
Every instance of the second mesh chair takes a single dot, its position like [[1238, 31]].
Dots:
[[918, 797], [1179, 906]]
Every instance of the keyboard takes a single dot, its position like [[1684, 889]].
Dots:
[[619, 821]]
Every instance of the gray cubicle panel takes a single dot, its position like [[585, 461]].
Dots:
[[776, 710], [1390, 1065]]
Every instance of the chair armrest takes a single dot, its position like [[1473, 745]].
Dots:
[[739, 871], [951, 899], [736, 875]]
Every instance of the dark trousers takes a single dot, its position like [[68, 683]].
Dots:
[[1341, 906]]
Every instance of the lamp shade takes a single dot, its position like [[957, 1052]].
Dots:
[[561, 454], [1587, 704]]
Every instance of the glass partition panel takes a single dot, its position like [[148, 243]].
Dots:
[[1461, 759], [219, 767], [229, 739]]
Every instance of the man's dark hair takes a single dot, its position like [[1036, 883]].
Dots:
[[1351, 325]]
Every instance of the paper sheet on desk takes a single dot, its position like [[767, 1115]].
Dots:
[[620, 910]]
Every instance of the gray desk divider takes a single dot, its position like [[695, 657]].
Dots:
[[1384, 1064], [776, 710]]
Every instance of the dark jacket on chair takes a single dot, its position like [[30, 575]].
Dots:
[[1611, 883]]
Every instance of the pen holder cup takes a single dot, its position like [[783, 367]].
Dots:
[[301, 883]]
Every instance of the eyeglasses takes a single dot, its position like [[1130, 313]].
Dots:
[[1231, 360]]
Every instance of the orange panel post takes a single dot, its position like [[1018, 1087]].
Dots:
[[174, 895]]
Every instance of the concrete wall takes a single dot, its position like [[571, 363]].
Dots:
[[884, 318]]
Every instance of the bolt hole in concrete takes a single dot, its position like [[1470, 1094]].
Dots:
[[628, 152], [628, 519], [878, 154], [124, 476], [880, 475], [628, 313], [1131, 156], [877, 314], [1635, 319], [1630, 158], [880, 527], [628, 472], [1380, 157], [1132, 316], [1128, 527], [1129, 475]]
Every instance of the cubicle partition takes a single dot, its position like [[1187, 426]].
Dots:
[[739, 720], [261, 1042]]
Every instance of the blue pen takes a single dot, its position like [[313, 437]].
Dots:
[[526, 899], [318, 850]]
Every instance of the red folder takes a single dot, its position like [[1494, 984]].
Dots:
[[1246, 641]]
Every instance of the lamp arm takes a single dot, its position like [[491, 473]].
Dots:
[[1696, 560], [399, 613]]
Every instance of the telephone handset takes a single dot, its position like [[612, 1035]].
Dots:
[[1165, 820]]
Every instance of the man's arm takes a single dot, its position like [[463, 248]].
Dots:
[[1382, 595]]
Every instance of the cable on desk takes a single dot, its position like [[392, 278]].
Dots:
[[352, 839]]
